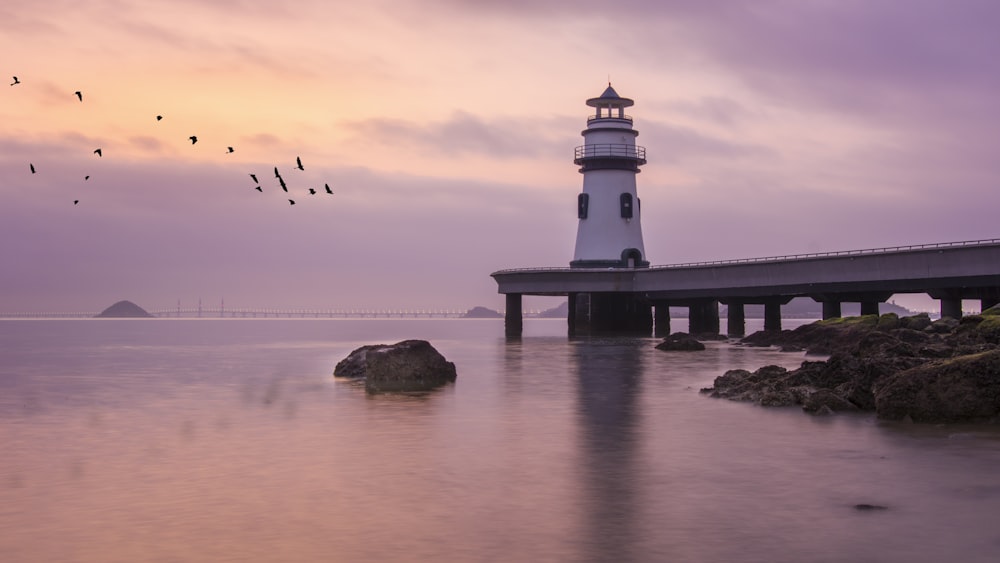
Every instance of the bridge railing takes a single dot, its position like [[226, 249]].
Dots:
[[789, 257]]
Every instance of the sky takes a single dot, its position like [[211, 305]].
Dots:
[[446, 129]]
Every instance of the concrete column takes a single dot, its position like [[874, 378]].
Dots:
[[951, 307], [513, 323], [831, 310], [772, 316], [571, 313], [736, 319], [703, 317], [869, 308], [661, 320], [582, 308], [612, 312]]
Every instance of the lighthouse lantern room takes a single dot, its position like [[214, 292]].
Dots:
[[609, 233]]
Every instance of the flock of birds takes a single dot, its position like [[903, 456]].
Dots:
[[229, 149]]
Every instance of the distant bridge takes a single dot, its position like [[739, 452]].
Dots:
[[620, 298], [270, 313]]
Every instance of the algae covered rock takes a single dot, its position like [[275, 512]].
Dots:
[[964, 388], [410, 365]]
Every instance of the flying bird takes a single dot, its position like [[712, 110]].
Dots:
[[194, 139], [328, 190], [312, 191], [16, 81], [32, 166], [291, 202], [229, 149], [280, 179], [159, 117], [254, 176], [76, 201], [87, 177], [298, 163], [259, 189], [79, 95], [98, 152]]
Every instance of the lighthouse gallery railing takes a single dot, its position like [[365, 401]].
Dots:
[[619, 150]]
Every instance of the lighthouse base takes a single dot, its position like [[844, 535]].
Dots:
[[606, 313]]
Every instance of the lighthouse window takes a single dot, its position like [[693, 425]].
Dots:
[[626, 205], [582, 202]]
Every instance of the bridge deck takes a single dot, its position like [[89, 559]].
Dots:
[[967, 269]]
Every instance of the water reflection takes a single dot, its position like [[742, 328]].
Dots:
[[609, 377]]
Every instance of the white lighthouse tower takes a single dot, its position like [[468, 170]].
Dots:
[[609, 234]]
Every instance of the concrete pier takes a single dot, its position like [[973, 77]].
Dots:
[[869, 307], [703, 316], [513, 323], [772, 316], [611, 312], [951, 307], [736, 322], [831, 310], [949, 272], [661, 320]]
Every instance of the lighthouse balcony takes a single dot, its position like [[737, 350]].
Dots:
[[617, 156], [622, 117]]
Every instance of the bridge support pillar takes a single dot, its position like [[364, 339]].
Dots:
[[661, 319], [703, 317], [571, 313], [772, 316], [869, 308], [987, 302], [831, 310], [736, 322], [613, 312], [513, 323], [951, 307]]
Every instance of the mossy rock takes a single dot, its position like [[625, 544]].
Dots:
[[852, 321], [887, 322], [920, 321], [989, 329], [993, 311]]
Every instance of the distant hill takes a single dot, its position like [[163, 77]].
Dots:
[[124, 309], [482, 313], [558, 312]]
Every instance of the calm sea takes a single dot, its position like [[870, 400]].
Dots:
[[229, 440]]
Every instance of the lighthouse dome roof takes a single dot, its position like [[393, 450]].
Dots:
[[610, 98]]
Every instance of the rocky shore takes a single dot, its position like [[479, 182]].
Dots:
[[905, 368]]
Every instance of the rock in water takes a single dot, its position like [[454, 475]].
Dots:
[[680, 342], [124, 309], [410, 365]]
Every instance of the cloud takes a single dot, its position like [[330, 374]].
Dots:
[[683, 144], [463, 134]]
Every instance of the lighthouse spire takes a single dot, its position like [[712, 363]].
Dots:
[[609, 233]]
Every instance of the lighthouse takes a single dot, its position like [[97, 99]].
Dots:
[[609, 233], [602, 283]]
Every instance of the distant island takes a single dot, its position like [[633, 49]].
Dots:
[[482, 313], [124, 310]]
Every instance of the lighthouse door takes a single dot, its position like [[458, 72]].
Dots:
[[631, 257]]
